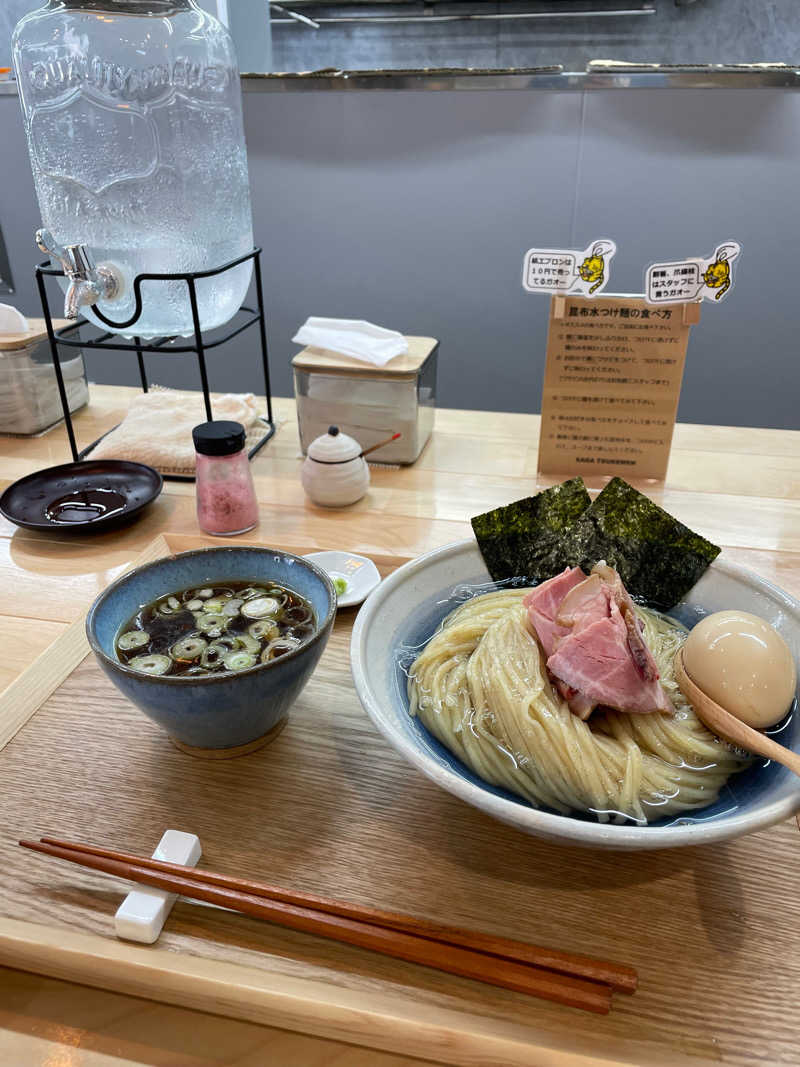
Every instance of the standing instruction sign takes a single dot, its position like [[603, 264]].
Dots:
[[562, 270], [611, 385], [692, 279]]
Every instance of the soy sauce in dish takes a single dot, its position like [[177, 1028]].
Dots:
[[215, 629], [85, 505]]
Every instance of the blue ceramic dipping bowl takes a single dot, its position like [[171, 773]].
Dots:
[[220, 711]]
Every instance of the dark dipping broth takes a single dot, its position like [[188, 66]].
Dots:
[[215, 629]]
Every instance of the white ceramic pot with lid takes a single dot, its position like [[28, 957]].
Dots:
[[335, 472]]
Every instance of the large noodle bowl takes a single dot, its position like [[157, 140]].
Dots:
[[480, 686]]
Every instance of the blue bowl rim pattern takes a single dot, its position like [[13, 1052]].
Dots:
[[140, 676], [553, 826]]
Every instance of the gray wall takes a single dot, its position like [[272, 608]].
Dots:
[[11, 11], [708, 31], [414, 209]]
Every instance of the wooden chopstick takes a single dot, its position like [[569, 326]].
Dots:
[[620, 978], [380, 444], [521, 978]]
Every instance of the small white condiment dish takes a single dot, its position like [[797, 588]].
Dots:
[[334, 472], [359, 572]]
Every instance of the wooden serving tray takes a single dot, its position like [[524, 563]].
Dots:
[[329, 807]]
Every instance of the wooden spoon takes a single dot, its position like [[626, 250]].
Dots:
[[726, 725]]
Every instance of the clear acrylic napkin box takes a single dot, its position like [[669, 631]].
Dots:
[[367, 402], [29, 400]]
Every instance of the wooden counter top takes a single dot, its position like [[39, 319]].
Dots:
[[739, 487]]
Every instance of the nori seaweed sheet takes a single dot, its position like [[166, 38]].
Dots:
[[526, 539], [658, 558]]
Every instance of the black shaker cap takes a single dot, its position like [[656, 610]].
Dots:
[[220, 438]]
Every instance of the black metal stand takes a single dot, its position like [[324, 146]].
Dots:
[[112, 342]]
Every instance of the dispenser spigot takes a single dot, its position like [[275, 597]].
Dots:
[[87, 283]]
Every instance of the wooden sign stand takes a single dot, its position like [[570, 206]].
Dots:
[[612, 382]]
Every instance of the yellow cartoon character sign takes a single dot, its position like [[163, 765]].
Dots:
[[593, 268], [563, 270], [717, 275], [692, 279]]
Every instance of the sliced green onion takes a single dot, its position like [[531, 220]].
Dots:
[[263, 628], [151, 664], [260, 607], [239, 661], [251, 591], [232, 607], [248, 643], [170, 606], [216, 652], [279, 647], [204, 594], [132, 639], [194, 605], [207, 623], [228, 641], [214, 605], [188, 649], [237, 643]]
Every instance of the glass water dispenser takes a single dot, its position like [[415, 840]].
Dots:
[[133, 115]]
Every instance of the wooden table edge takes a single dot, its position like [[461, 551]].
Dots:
[[295, 1004]]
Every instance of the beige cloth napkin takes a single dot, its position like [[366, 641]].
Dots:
[[157, 429]]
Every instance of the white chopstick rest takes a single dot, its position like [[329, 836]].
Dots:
[[143, 912]]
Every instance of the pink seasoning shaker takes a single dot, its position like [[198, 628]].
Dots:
[[226, 496]]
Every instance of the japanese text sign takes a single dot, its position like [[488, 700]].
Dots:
[[559, 270], [692, 279], [612, 382]]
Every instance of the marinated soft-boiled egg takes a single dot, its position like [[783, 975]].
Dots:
[[743, 664]]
